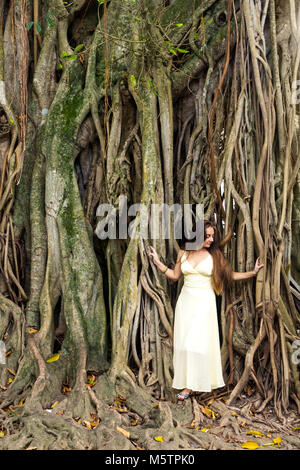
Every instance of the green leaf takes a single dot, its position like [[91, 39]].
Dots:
[[172, 51], [183, 51], [49, 21], [78, 48], [30, 25], [133, 80], [100, 2], [179, 25], [210, 21], [64, 54], [59, 66], [71, 57], [150, 82], [38, 27]]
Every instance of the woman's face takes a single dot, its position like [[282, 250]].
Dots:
[[209, 237]]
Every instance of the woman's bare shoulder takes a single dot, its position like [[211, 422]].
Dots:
[[180, 254]]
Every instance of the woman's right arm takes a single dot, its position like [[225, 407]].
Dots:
[[173, 274]]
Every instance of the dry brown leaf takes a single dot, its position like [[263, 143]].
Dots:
[[123, 431], [66, 390], [15, 407], [207, 411], [134, 423], [32, 331]]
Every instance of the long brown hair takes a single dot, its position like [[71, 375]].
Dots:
[[221, 278]]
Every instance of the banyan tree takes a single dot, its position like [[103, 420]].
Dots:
[[151, 102]]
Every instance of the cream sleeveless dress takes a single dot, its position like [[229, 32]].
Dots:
[[196, 355]]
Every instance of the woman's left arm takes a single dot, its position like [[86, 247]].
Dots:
[[247, 275]]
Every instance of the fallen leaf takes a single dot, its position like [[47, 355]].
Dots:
[[91, 380], [192, 426], [268, 444], [15, 407], [297, 428], [32, 331], [207, 411], [66, 390], [134, 423], [159, 439], [12, 372], [124, 432], [95, 421], [242, 423], [204, 429], [9, 380], [54, 404], [277, 440], [250, 445], [255, 433], [53, 358]]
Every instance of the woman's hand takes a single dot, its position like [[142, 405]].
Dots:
[[154, 255], [258, 266]]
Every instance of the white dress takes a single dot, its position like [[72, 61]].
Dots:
[[196, 356]]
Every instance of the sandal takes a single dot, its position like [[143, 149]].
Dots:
[[184, 395]]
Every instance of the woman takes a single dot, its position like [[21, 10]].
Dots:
[[197, 358]]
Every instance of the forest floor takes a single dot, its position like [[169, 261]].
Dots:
[[132, 419]]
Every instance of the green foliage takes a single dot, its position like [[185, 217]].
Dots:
[[78, 48], [152, 86], [37, 25], [69, 57], [49, 19], [133, 80]]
